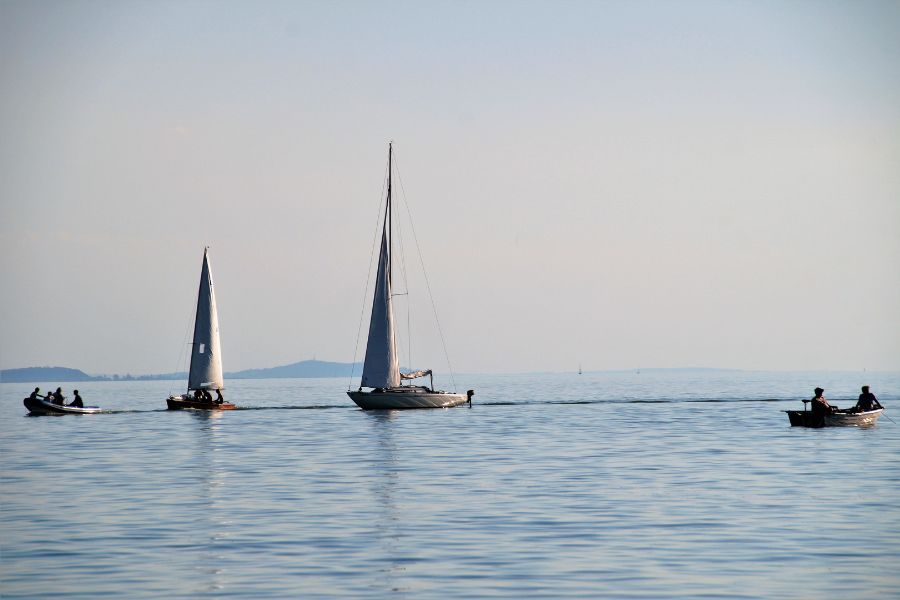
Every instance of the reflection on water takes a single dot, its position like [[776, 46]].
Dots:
[[384, 485], [599, 485], [212, 478]]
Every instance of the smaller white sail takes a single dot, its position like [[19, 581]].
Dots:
[[206, 355]]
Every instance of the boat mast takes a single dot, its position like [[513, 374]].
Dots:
[[388, 215]]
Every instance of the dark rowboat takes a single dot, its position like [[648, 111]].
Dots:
[[39, 406], [840, 418]]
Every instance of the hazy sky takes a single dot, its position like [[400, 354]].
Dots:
[[615, 184]]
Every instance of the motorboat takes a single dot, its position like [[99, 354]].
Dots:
[[41, 406]]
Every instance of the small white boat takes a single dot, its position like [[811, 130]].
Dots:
[[40, 406], [205, 372], [381, 370]]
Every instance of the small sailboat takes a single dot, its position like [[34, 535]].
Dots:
[[381, 370], [205, 373]]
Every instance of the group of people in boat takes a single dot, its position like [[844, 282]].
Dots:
[[57, 397], [205, 396], [867, 402]]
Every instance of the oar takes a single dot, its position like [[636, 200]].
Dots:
[[888, 418]]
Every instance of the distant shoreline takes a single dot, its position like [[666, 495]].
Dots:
[[303, 369], [323, 369]]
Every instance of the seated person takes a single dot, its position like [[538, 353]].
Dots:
[[35, 394], [77, 401], [867, 401], [57, 397], [219, 398], [820, 405]]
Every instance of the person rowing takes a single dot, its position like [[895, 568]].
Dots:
[[820, 405], [867, 401]]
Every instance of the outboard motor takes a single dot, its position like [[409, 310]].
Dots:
[[469, 395]]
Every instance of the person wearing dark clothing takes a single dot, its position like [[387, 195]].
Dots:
[[77, 401], [867, 401], [57, 397], [35, 394], [198, 395], [820, 405], [219, 398]]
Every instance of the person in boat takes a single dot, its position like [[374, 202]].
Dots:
[[57, 397], [34, 395], [77, 403], [867, 401], [219, 398], [820, 405]]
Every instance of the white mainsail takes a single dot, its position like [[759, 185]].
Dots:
[[206, 355], [381, 368]]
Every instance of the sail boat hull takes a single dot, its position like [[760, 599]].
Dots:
[[406, 397], [180, 402]]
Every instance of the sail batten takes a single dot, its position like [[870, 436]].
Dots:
[[206, 357]]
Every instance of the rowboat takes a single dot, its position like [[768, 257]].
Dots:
[[841, 418], [39, 406]]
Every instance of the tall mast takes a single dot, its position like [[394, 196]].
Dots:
[[388, 216]]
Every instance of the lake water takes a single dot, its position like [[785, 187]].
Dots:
[[659, 484]]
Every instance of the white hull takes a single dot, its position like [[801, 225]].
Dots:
[[403, 398], [806, 418]]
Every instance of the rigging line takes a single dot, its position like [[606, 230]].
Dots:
[[362, 311], [427, 283]]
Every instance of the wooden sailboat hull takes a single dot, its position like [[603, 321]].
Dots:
[[42, 407], [805, 418], [406, 398], [182, 402]]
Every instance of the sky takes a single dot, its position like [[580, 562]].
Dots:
[[611, 185]]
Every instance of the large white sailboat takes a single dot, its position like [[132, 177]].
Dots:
[[381, 370], [205, 373]]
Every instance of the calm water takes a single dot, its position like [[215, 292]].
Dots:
[[613, 485]]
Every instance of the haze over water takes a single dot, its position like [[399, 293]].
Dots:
[[614, 485]]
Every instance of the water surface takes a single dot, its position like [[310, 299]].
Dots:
[[614, 485]]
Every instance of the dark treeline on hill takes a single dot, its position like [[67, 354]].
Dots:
[[306, 368]]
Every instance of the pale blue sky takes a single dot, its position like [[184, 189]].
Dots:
[[615, 184]]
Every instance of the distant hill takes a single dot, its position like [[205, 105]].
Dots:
[[45, 374], [306, 368]]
